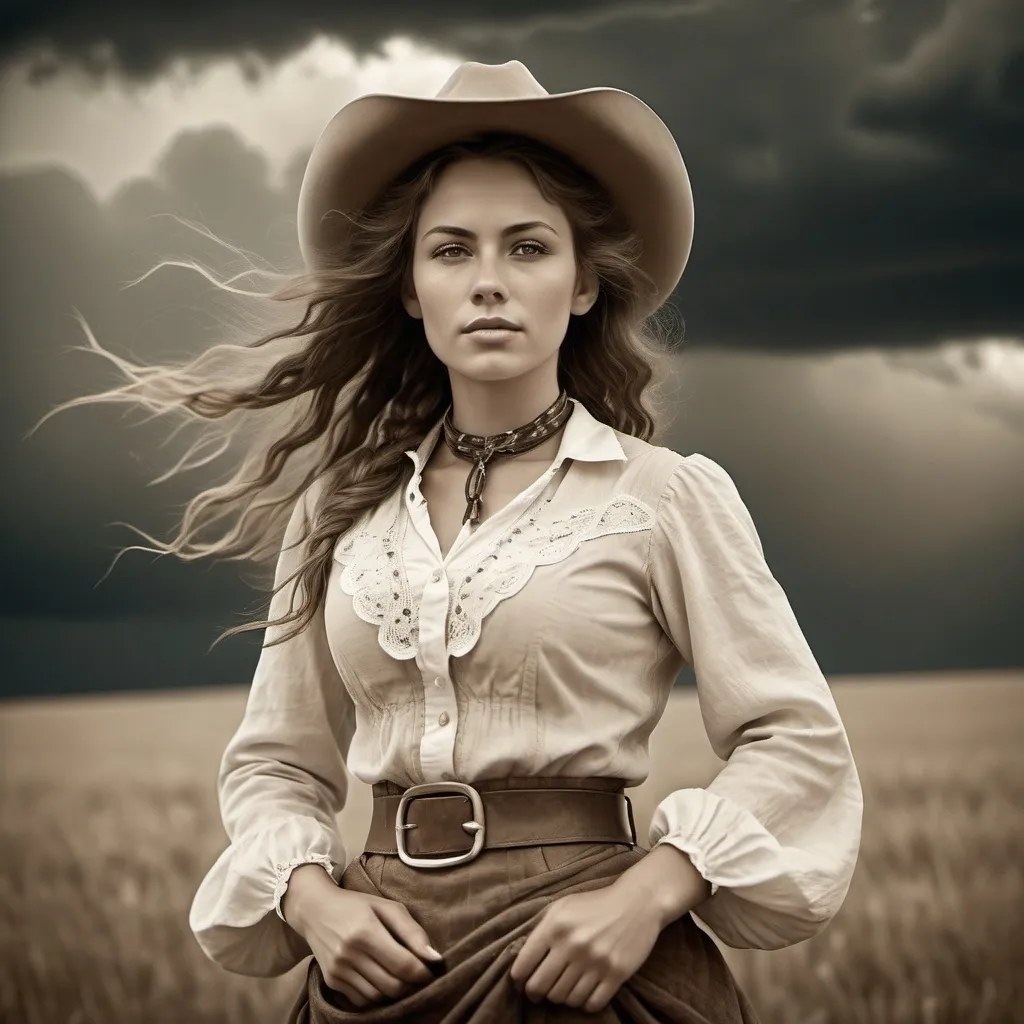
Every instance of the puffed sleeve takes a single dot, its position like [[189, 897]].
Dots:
[[282, 781], [777, 832]]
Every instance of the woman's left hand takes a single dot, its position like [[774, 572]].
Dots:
[[590, 943]]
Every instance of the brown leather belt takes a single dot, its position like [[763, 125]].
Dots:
[[424, 823]]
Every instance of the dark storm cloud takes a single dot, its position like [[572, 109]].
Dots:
[[846, 541], [75, 622], [858, 167], [959, 89], [89, 467], [140, 39], [847, 195], [812, 227]]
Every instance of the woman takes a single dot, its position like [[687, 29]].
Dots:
[[501, 578]]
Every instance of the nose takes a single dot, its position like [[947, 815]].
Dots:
[[488, 285]]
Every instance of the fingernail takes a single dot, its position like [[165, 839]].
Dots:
[[433, 952]]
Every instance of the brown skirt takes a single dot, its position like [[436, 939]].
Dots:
[[479, 915]]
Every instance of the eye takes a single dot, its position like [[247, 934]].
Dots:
[[445, 250], [532, 245]]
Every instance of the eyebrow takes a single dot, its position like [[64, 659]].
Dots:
[[512, 229]]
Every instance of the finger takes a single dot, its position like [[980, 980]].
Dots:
[[397, 960], [411, 939], [336, 984], [584, 989], [402, 963], [545, 976], [348, 992], [567, 982], [380, 978], [351, 977], [601, 996], [528, 959]]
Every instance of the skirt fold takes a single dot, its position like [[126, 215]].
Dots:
[[479, 915]]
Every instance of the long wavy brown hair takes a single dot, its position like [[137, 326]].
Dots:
[[340, 380]]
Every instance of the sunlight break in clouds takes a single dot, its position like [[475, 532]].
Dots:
[[938, 438], [112, 132], [877, 466], [988, 371]]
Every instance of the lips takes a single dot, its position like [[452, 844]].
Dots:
[[490, 324]]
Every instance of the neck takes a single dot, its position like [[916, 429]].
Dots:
[[493, 410]]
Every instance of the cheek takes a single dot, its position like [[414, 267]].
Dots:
[[559, 284], [424, 280], [430, 276], [438, 300], [554, 295]]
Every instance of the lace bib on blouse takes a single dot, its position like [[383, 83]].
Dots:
[[375, 578]]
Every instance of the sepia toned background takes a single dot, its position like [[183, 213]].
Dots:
[[852, 355]]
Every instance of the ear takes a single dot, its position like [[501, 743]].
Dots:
[[587, 288], [408, 297]]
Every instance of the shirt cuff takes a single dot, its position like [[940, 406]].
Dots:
[[236, 911], [283, 872]]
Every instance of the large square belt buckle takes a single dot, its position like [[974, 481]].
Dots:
[[475, 827]]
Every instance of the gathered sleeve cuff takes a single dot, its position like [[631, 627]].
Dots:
[[236, 913], [777, 832], [281, 785]]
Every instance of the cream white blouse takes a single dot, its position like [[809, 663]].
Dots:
[[545, 643]]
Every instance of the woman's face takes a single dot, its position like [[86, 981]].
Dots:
[[467, 263]]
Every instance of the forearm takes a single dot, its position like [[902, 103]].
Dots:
[[666, 877]]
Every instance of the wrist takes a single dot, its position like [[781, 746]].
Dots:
[[668, 880], [305, 887]]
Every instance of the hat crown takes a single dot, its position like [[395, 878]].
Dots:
[[475, 81]]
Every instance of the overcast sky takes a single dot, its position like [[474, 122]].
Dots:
[[854, 301]]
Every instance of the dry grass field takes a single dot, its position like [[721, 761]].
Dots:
[[109, 821]]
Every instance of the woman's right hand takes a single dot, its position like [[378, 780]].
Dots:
[[352, 936]]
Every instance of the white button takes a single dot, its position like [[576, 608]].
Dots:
[[435, 575], [442, 719], [439, 681]]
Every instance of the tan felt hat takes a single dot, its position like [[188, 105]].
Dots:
[[611, 133]]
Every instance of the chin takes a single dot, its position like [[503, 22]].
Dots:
[[495, 377], [492, 367]]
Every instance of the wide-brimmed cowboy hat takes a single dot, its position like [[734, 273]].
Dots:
[[611, 133]]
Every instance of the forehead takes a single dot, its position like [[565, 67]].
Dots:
[[481, 186]]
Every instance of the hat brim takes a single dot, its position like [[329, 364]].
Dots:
[[611, 133]]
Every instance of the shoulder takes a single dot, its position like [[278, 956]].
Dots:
[[303, 511], [313, 494], [648, 466], [701, 497], [699, 472], [672, 472]]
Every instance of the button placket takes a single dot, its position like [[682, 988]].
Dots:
[[437, 748]]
